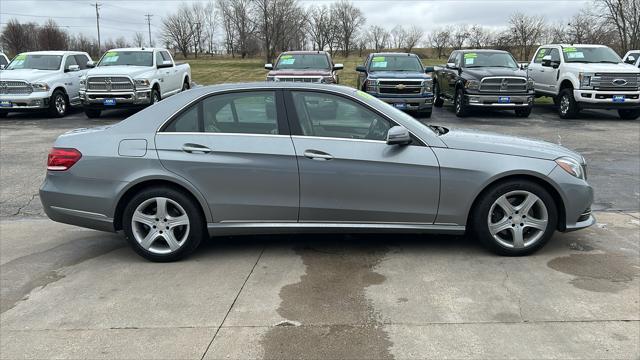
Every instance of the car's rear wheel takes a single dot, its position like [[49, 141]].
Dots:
[[185, 85], [58, 104], [92, 113], [438, 101], [567, 108], [163, 224], [514, 218], [523, 112], [629, 114], [459, 105]]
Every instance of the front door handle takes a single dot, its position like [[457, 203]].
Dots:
[[317, 155], [195, 148]]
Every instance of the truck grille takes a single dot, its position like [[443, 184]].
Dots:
[[307, 79], [15, 87], [109, 83], [614, 82], [400, 87], [504, 84]]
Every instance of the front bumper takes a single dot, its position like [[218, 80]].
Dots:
[[123, 99], [596, 99], [506, 101], [34, 101], [410, 103], [577, 197]]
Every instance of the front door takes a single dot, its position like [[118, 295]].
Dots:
[[236, 151], [348, 174]]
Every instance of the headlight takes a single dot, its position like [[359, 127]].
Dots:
[[472, 84], [141, 82], [571, 166], [585, 80], [372, 83], [530, 84], [427, 85], [40, 87]]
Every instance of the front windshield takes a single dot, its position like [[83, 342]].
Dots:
[[302, 61], [489, 59], [395, 63], [35, 62], [600, 54], [132, 58]]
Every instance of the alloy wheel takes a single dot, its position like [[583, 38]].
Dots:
[[564, 104], [160, 225], [518, 219], [61, 104], [458, 103]]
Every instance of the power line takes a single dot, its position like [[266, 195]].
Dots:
[[149, 16]]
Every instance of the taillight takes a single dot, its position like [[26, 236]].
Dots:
[[61, 159]]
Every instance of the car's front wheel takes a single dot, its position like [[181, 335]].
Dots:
[[629, 114], [514, 218], [567, 108], [460, 107], [163, 224], [438, 101], [523, 112], [58, 104]]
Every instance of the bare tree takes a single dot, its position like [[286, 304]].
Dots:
[[479, 37], [198, 14], [459, 36], [17, 37], [51, 37], [320, 27], [398, 37], [625, 16], [349, 19], [121, 42], [414, 36], [138, 39], [225, 14], [378, 37], [210, 24], [439, 40], [526, 31], [280, 24], [243, 24], [82, 43], [177, 29]]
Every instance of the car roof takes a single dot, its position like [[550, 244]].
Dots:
[[483, 50], [146, 49], [575, 45], [304, 52], [390, 53], [53, 52]]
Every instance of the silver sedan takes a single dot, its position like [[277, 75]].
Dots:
[[287, 157]]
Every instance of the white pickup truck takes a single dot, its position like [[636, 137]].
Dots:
[[586, 77], [132, 78], [42, 80]]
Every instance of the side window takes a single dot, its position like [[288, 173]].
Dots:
[[452, 57], [82, 61], [185, 122], [542, 52], [458, 60], [241, 113], [555, 55], [158, 58], [165, 56], [71, 60], [327, 115]]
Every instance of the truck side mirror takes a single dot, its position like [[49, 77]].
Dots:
[[165, 64], [72, 68], [361, 68], [1, 67], [268, 66], [452, 66], [338, 67], [428, 69], [524, 66], [91, 64], [547, 62], [630, 60]]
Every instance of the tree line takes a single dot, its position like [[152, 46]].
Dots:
[[249, 28]]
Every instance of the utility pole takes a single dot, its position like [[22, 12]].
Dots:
[[98, 5], [197, 38], [148, 16]]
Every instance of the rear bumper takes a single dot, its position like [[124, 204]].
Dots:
[[595, 99], [500, 100]]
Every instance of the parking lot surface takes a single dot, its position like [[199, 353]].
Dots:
[[68, 292]]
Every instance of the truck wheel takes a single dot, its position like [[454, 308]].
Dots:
[[155, 96], [3, 114], [629, 114], [568, 107], [459, 105], [92, 113], [185, 85], [437, 100], [523, 112], [58, 104]]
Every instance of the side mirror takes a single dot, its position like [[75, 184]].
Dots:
[[91, 64], [361, 68], [452, 66], [338, 67], [524, 66], [268, 66], [1, 67], [398, 135], [630, 60], [428, 69], [547, 62], [165, 64], [72, 68]]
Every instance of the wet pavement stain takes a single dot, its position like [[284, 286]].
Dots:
[[336, 319], [598, 272]]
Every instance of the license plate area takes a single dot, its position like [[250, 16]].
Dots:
[[400, 105], [504, 99], [6, 104], [109, 102], [618, 98]]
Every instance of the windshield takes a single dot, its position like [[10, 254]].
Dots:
[[37, 62], [395, 63], [489, 59], [133, 58], [302, 61], [600, 54]]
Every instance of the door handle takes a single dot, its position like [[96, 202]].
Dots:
[[317, 155], [195, 148]]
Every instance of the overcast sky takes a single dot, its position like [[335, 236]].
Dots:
[[124, 18]]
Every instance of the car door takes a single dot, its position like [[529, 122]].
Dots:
[[362, 76], [164, 76], [347, 171], [175, 79], [72, 79], [545, 77], [236, 150], [451, 74]]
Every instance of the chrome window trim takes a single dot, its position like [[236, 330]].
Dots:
[[218, 134], [335, 138]]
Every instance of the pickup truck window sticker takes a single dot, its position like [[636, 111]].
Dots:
[[288, 61], [469, 61], [286, 57], [379, 64], [575, 55], [378, 59], [19, 60], [541, 54], [470, 56], [111, 56], [569, 49]]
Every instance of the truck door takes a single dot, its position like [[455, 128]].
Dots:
[[545, 77], [175, 77], [72, 79], [448, 84]]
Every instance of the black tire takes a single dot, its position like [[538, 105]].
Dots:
[[556, 100], [186, 85], [92, 113], [479, 221], [567, 106], [155, 96], [629, 114], [197, 223], [3, 114], [459, 106], [58, 104], [523, 112], [438, 101]]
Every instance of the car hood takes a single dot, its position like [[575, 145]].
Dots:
[[397, 75], [132, 71], [305, 72], [29, 75], [482, 72], [474, 140], [603, 68]]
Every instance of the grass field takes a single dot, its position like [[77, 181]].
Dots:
[[209, 71]]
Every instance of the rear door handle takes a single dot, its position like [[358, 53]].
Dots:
[[317, 155], [195, 148]]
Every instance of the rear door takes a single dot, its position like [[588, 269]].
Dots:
[[348, 174], [236, 149]]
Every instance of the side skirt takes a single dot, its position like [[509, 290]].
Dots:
[[254, 228]]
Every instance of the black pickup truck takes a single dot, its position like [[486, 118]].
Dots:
[[483, 78]]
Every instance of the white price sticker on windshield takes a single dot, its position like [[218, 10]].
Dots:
[[469, 61], [379, 64], [287, 61], [575, 55]]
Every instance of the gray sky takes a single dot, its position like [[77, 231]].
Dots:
[[124, 18]]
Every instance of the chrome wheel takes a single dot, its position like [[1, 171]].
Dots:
[[61, 104], [518, 219], [160, 225], [156, 96], [564, 104], [458, 103]]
